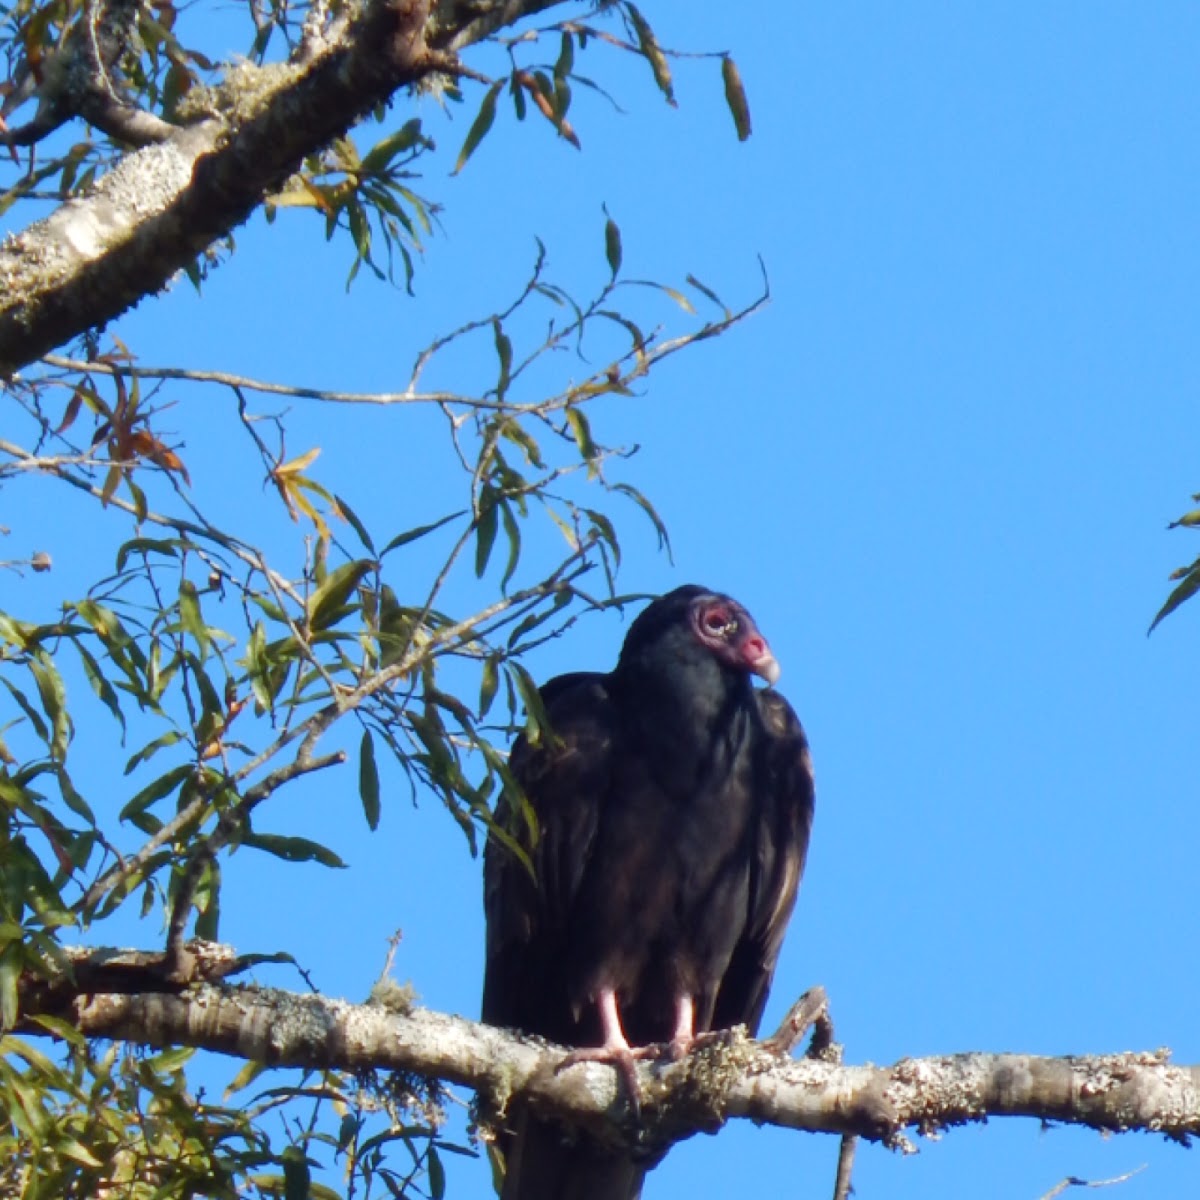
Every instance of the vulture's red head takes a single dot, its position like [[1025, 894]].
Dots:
[[715, 621]]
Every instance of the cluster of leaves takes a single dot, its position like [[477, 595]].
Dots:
[[228, 674], [1187, 579], [114, 1122], [228, 678], [549, 87]]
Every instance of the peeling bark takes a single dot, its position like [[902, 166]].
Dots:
[[160, 207], [731, 1077]]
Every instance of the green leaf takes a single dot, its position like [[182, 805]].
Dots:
[[504, 353], [612, 244], [402, 539], [100, 685], [296, 1174], [707, 291], [150, 749], [536, 722], [664, 540], [437, 1174], [171, 1060], [54, 701], [382, 153], [208, 903], [479, 127], [169, 547], [581, 430], [73, 800], [355, 523], [10, 974], [245, 1077], [512, 531], [154, 791], [61, 1029], [368, 780], [327, 604], [735, 97], [606, 530], [485, 531], [652, 52], [293, 849], [488, 684], [1185, 590], [566, 57]]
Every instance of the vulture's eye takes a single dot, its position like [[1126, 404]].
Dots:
[[720, 622]]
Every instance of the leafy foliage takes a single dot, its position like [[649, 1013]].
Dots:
[[225, 674], [227, 679]]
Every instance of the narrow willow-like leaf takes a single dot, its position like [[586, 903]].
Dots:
[[10, 974], [328, 604], [581, 430], [191, 618], [505, 353], [293, 849], [54, 702], [384, 151], [355, 524], [512, 531], [169, 547], [664, 540], [735, 97], [707, 291], [479, 127], [566, 57], [488, 684], [652, 52], [485, 532], [411, 535], [612, 245], [537, 723], [437, 1174], [1185, 591], [150, 749], [154, 791], [368, 780]]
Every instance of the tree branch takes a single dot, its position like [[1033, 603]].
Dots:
[[730, 1077], [151, 216]]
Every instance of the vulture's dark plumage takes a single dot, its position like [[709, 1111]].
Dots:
[[673, 803]]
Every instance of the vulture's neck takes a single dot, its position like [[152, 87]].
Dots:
[[683, 705]]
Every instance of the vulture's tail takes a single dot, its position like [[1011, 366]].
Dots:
[[542, 1164]]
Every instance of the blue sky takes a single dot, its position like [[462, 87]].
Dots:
[[938, 469]]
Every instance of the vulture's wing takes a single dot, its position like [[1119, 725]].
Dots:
[[566, 779], [784, 787]]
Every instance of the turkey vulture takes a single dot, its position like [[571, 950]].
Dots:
[[673, 803]]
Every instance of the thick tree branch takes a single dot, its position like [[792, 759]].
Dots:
[[731, 1077], [95, 257]]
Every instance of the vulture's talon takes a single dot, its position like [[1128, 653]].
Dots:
[[622, 1059]]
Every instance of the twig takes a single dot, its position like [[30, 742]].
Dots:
[[811, 1011], [128, 866], [1075, 1181], [226, 379], [842, 1187]]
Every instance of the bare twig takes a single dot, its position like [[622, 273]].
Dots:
[[266, 387], [1075, 1181], [811, 1011], [842, 1187]]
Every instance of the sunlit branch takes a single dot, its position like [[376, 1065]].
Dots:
[[266, 387], [729, 1077]]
